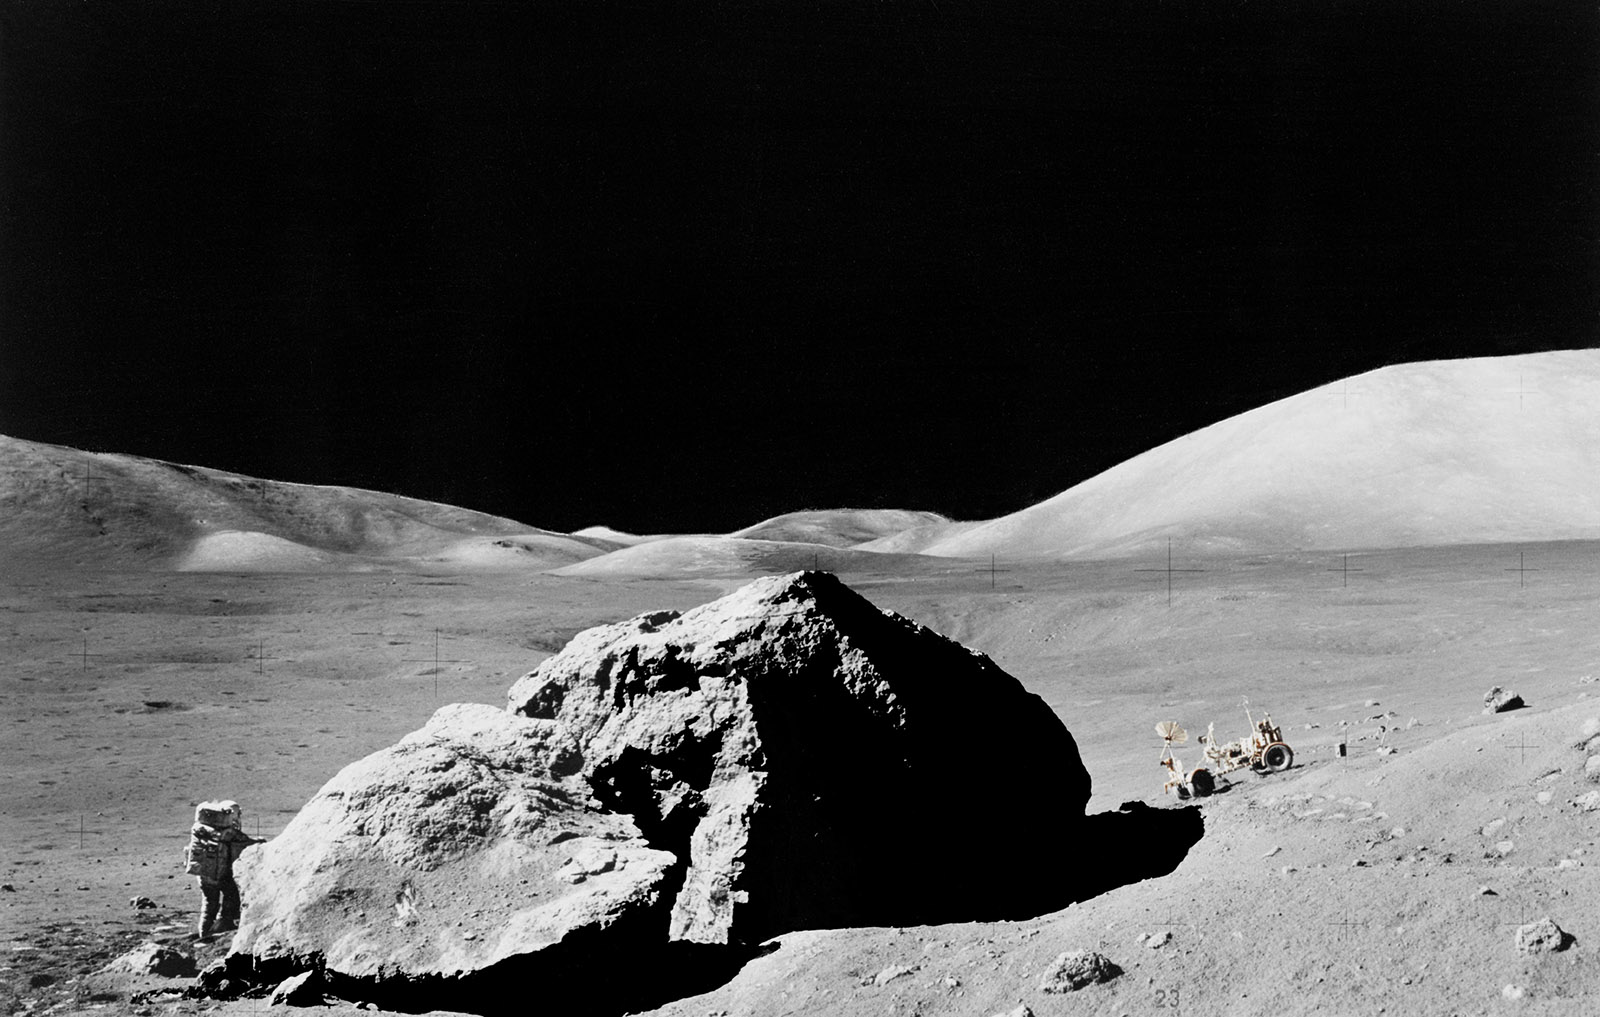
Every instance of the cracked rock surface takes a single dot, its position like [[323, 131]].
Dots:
[[443, 855]]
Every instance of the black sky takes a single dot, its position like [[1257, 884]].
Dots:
[[674, 266]]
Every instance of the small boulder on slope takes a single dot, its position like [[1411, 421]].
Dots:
[[1498, 700], [1543, 936], [152, 959], [1076, 969]]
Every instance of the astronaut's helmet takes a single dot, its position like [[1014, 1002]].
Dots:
[[213, 814]]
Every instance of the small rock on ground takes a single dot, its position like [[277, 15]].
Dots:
[[1075, 969], [1543, 936], [1591, 769], [304, 989], [153, 959], [1020, 1011], [892, 972]]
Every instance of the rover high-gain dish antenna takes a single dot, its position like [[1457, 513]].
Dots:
[[1171, 732]]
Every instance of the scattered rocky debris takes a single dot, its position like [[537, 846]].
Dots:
[[213, 982], [1498, 700], [1588, 802], [153, 959], [1542, 936], [1075, 969], [160, 994]]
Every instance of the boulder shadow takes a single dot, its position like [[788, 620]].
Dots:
[[1134, 843]]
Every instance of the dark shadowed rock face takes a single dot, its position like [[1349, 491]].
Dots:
[[819, 762]]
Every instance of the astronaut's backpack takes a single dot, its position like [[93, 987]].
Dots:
[[207, 855]]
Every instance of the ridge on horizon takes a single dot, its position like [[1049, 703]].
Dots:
[[1481, 450]]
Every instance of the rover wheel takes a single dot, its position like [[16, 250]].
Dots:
[[1203, 783], [1277, 757], [1183, 793]]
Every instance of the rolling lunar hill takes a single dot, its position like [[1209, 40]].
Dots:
[[839, 527], [1484, 450], [67, 506], [716, 555]]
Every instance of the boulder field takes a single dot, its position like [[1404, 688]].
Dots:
[[669, 793]]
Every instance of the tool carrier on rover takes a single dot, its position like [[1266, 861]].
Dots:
[[1263, 750]]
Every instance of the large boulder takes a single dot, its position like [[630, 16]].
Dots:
[[816, 761], [668, 793]]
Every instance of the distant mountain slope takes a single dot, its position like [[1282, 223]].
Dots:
[[709, 555], [839, 527], [918, 538], [1442, 452], [127, 511], [616, 537]]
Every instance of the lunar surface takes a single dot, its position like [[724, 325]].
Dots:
[[1365, 562]]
